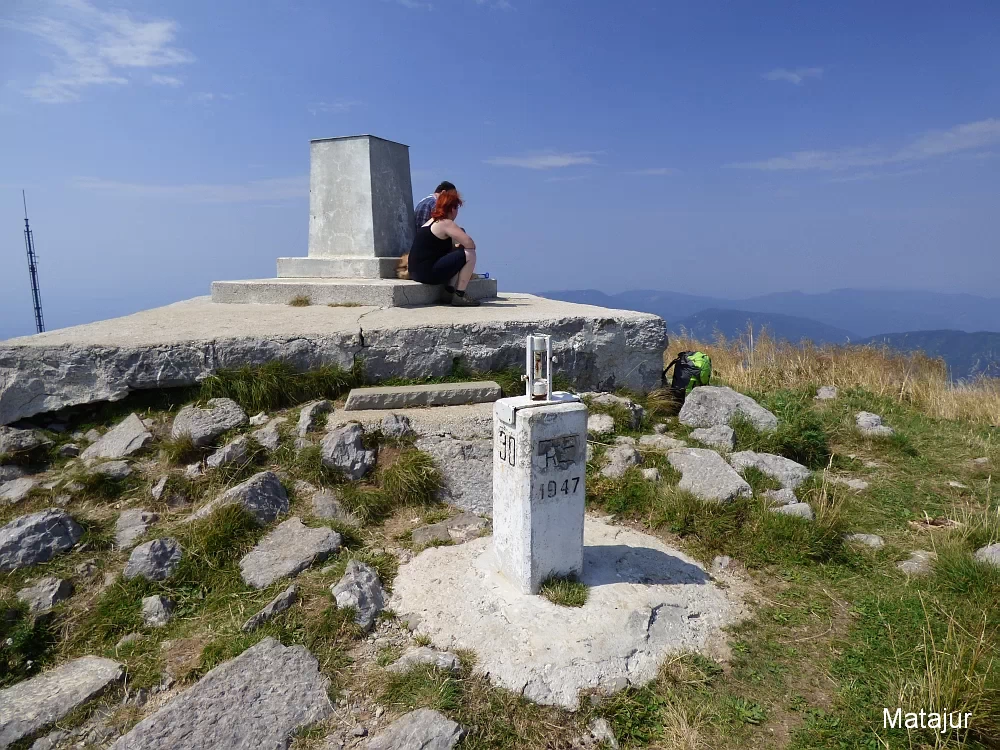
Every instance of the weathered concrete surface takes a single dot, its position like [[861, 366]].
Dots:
[[308, 281], [434, 394], [256, 700], [30, 705], [183, 343], [466, 421], [646, 602]]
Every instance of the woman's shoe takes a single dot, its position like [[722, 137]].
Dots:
[[464, 301]]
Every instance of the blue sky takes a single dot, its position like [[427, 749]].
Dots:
[[722, 148]]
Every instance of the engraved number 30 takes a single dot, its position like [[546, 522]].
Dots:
[[508, 447]]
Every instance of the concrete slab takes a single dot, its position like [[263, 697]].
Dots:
[[646, 601], [434, 394], [339, 291], [466, 421], [183, 343]]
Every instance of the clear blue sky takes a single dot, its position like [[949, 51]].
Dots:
[[724, 148]]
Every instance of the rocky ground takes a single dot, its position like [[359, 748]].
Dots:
[[194, 575]]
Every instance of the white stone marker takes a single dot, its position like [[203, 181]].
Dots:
[[539, 478], [360, 209]]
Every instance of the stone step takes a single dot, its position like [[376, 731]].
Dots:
[[327, 291], [434, 394]]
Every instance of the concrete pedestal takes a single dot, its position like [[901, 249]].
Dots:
[[360, 209], [349, 292], [539, 477]]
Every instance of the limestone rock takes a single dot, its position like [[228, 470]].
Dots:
[[258, 420], [344, 450], [799, 510], [424, 728], [789, 473], [635, 412], [600, 730], [44, 594], [286, 551], [262, 495], [989, 554], [14, 442], [652, 474], [871, 424], [460, 528], [157, 490], [326, 505], [710, 405], [125, 438], [918, 564], [37, 538], [308, 415], [155, 560], [235, 452], [466, 469], [257, 700], [360, 588], [662, 443], [116, 470], [783, 496], [620, 459], [11, 471], [957, 485], [204, 425], [868, 540], [600, 424], [277, 605], [660, 429], [30, 705], [981, 462], [706, 475], [69, 450], [826, 393], [268, 436], [15, 490], [858, 485], [720, 436], [424, 656], [91, 435], [131, 525], [157, 611], [625, 440], [397, 426]]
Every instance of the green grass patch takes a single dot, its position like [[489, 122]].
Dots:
[[277, 385], [566, 592], [26, 642]]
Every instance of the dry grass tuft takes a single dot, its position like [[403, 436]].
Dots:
[[756, 362]]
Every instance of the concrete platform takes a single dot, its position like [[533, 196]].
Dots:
[[470, 421], [183, 343], [646, 602], [373, 292], [436, 394]]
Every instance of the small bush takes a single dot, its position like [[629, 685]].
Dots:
[[412, 479], [421, 687], [25, 642], [180, 450], [799, 436], [301, 301], [566, 592]]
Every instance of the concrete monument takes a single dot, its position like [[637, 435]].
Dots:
[[360, 223], [539, 478]]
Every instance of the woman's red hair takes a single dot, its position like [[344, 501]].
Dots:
[[446, 202]]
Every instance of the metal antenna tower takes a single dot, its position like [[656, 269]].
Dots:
[[29, 244]]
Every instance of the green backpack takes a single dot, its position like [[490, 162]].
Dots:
[[691, 369]]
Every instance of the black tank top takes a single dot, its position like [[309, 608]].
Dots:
[[426, 250]]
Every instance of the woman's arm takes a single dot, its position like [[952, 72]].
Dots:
[[457, 234]]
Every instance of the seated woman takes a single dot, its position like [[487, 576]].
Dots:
[[434, 257]]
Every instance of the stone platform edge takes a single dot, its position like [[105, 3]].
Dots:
[[363, 292], [435, 394]]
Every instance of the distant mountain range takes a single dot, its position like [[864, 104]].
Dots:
[[956, 327]]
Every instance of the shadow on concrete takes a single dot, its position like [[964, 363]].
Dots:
[[617, 563]]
